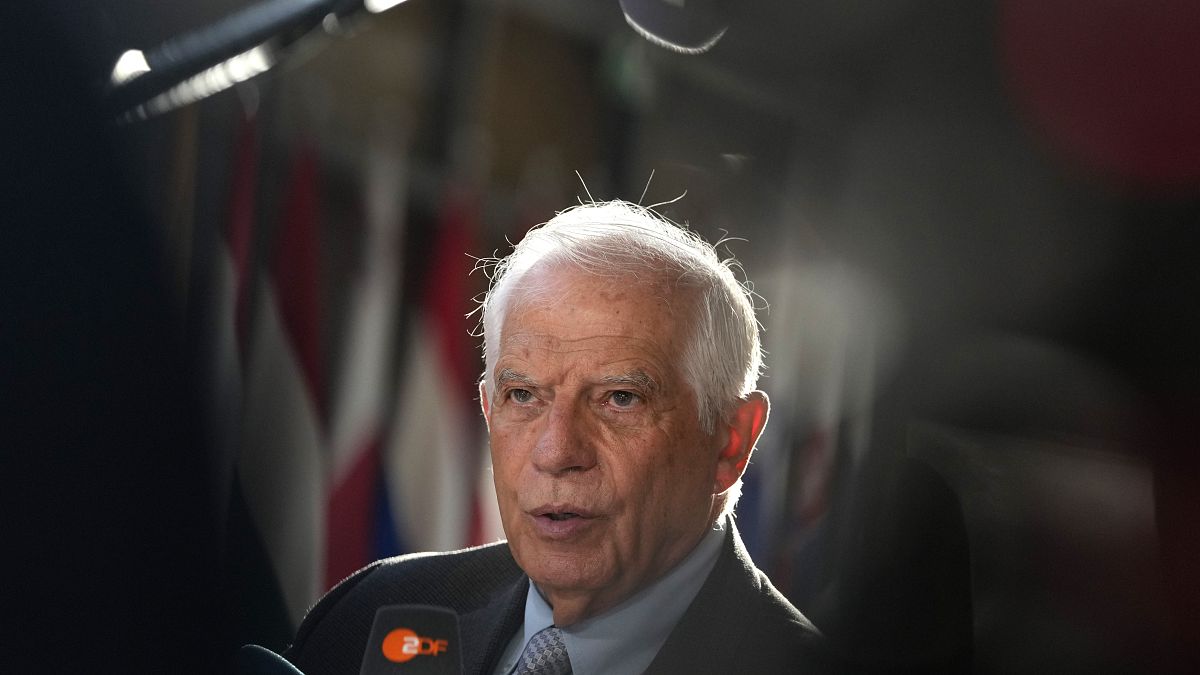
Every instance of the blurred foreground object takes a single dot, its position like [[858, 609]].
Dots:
[[1111, 87], [687, 27], [195, 65], [106, 499]]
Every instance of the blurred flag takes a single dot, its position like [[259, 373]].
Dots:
[[433, 459], [384, 458], [787, 495], [231, 283], [360, 529], [280, 465]]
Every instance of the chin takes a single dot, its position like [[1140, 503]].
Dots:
[[566, 570]]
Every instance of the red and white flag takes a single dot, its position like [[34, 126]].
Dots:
[[362, 393], [280, 463], [433, 458]]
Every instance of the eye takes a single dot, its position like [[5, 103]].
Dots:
[[520, 395], [623, 399]]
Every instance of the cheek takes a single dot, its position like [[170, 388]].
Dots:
[[658, 475], [672, 460], [506, 461], [688, 469], [506, 477]]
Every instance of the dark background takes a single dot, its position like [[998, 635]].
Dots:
[[975, 225]]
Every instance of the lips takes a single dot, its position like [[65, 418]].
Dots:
[[561, 521], [560, 511]]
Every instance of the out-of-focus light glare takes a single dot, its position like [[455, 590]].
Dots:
[[206, 83], [131, 64], [691, 27], [667, 44], [246, 65], [377, 6]]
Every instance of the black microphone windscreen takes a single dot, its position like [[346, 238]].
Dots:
[[255, 660], [413, 640]]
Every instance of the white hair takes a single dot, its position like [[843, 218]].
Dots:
[[723, 355]]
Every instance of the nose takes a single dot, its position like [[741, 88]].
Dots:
[[564, 446]]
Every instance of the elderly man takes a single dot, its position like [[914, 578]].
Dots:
[[621, 359]]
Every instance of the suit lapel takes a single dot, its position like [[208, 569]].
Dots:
[[487, 630], [719, 610]]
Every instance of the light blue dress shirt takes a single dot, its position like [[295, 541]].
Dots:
[[625, 639]]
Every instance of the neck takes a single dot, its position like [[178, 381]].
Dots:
[[570, 606]]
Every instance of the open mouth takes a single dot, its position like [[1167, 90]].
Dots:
[[561, 516], [561, 522]]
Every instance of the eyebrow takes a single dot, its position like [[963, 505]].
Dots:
[[637, 379], [509, 376]]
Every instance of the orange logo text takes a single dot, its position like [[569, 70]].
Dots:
[[403, 644]]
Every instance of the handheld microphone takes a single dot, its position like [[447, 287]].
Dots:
[[413, 640], [255, 660]]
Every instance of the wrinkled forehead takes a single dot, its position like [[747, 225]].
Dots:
[[563, 288], [573, 305]]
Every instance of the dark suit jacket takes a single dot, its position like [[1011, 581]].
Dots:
[[738, 622]]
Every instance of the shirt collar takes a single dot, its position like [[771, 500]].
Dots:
[[626, 638]]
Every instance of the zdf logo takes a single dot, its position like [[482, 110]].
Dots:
[[403, 644]]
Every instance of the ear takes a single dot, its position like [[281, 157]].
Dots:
[[485, 404], [744, 428]]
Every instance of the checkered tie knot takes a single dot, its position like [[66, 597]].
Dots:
[[546, 654]]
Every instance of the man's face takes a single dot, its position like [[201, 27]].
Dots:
[[603, 476]]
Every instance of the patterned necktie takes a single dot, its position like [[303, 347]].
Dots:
[[546, 654]]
